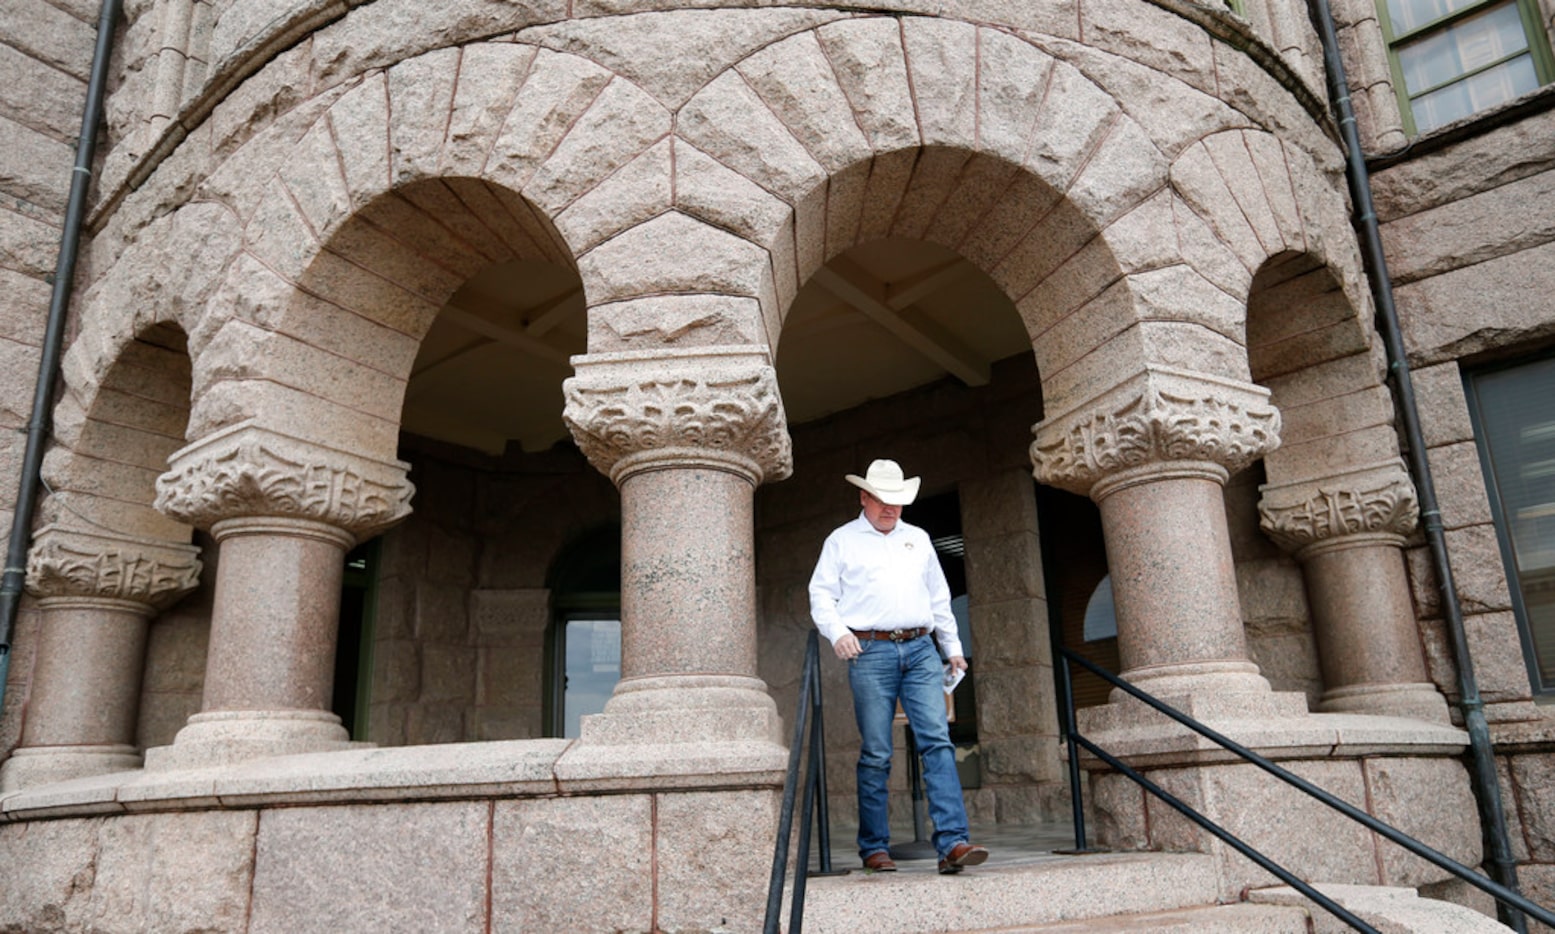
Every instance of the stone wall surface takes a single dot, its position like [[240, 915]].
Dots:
[[229, 159], [45, 55], [630, 862], [259, 150]]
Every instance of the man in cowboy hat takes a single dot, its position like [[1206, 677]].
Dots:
[[878, 594]]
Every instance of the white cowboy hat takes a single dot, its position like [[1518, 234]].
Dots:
[[885, 482]]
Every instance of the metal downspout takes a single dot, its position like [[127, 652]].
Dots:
[[1486, 783], [15, 572]]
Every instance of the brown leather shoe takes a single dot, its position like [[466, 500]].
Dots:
[[879, 862], [961, 856]]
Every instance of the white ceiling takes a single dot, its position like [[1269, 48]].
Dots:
[[881, 318]]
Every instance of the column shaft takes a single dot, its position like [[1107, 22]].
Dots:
[[688, 596], [1348, 531], [86, 684], [276, 614], [1173, 580]]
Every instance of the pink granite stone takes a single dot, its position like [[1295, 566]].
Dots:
[[404, 867], [688, 598], [277, 610]]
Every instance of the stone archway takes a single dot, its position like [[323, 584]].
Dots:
[[1338, 496], [104, 563]]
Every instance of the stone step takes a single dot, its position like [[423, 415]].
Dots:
[[1218, 919], [1024, 895]]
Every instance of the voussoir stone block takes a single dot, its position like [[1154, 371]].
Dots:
[[557, 91], [618, 125], [420, 95], [1011, 81], [796, 80], [872, 70], [942, 61], [1231, 154], [1076, 117], [360, 121], [707, 189], [1197, 176], [731, 123], [706, 259], [490, 75], [640, 191]]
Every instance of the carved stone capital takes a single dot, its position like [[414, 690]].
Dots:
[[632, 411], [1161, 416], [69, 563], [247, 471], [1377, 501]]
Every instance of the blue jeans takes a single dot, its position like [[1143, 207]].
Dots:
[[910, 672]]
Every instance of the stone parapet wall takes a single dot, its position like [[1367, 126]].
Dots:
[[338, 842]]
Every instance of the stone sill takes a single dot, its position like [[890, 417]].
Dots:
[[507, 769], [1314, 736]]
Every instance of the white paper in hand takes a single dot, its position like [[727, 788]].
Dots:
[[953, 677]]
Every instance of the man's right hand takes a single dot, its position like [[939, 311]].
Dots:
[[847, 647]]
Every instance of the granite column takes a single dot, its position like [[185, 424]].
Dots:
[[284, 511], [1154, 453], [96, 594], [686, 437], [1348, 531]]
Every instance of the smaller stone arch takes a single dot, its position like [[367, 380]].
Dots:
[[1246, 197], [114, 434], [1338, 497], [104, 562]]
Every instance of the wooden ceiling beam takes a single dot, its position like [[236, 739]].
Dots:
[[851, 283]]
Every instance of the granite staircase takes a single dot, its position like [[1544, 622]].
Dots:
[[1123, 892]]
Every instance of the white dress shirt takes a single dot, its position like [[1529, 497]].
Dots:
[[867, 579]]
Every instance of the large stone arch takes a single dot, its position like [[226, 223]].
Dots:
[[972, 137], [402, 189]]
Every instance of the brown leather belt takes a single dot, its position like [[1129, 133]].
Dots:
[[891, 635]]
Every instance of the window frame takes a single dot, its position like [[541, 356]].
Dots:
[[1533, 31], [1536, 683]]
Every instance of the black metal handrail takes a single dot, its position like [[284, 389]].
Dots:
[[808, 723], [1502, 894]]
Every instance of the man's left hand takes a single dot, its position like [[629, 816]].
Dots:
[[957, 663]]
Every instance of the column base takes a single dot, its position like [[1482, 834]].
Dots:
[[1419, 701], [226, 736], [30, 767], [1211, 692], [680, 729]]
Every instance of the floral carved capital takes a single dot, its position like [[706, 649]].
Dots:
[[249, 471], [1161, 416], [628, 413], [1377, 500], [69, 563]]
